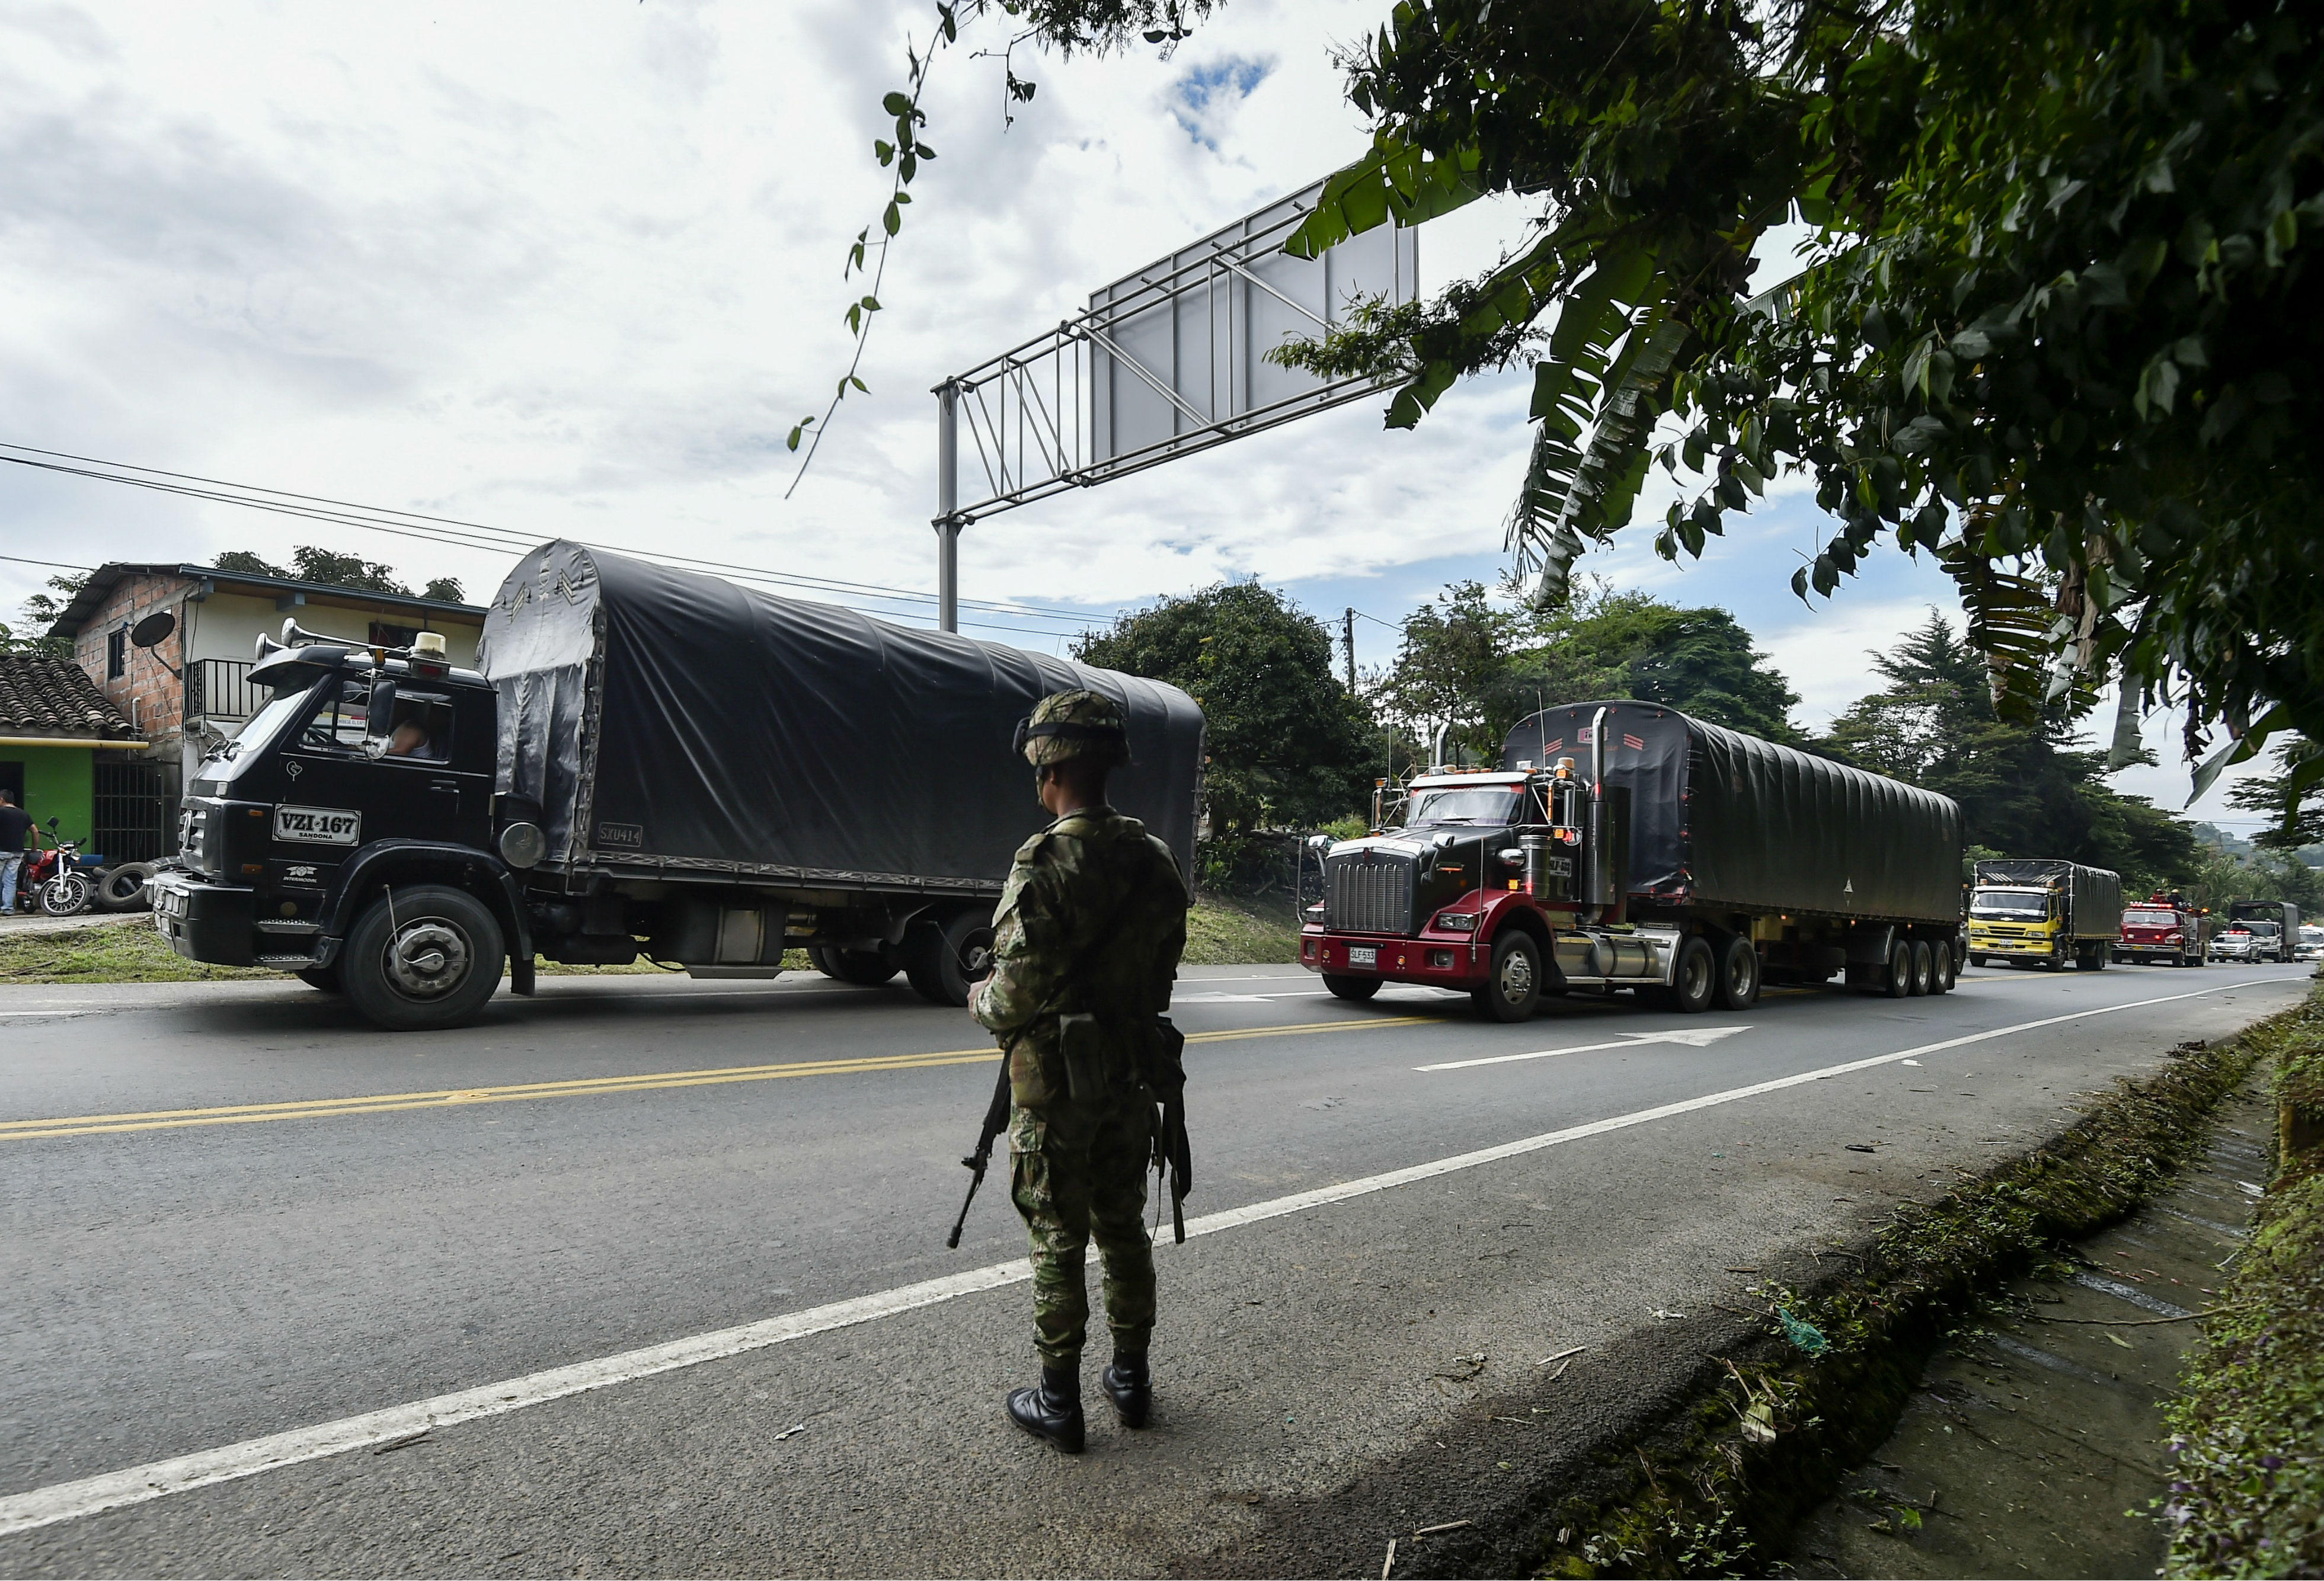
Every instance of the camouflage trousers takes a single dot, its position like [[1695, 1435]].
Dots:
[[1074, 1183]]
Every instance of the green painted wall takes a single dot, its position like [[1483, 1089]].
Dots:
[[60, 783]]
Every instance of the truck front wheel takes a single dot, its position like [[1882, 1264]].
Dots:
[[422, 957], [1354, 989], [1513, 985], [945, 959]]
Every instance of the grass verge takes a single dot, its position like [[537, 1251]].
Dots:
[[2248, 1495], [1771, 1431], [133, 952], [1220, 932]]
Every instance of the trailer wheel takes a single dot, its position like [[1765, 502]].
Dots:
[[1944, 970], [866, 968], [2090, 960], [1738, 976], [945, 959], [1897, 981], [1513, 982], [1354, 989], [422, 957], [1694, 980], [1924, 968]]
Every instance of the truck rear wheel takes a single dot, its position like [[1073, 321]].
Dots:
[[1944, 970], [1896, 982], [421, 957], [945, 959], [1513, 983], [1738, 976], [2089, 960], [1924, 968], [1354, 989]]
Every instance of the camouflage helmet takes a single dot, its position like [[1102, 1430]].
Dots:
[[1074, 724]]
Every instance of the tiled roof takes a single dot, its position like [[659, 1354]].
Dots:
[[44, 696]]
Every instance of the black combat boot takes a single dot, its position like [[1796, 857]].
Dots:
[[1126, 1383], [1052, 1411]]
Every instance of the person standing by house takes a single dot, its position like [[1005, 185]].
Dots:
[[15, 825]]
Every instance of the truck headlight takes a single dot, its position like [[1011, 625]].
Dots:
[[1456, 921]]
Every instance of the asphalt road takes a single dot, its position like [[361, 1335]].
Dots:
[[234, 1213]]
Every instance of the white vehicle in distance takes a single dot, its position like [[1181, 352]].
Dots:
[[2232, 942], [2312, 943], [2268, 942]]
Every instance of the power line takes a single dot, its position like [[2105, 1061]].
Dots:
[[474, 535]]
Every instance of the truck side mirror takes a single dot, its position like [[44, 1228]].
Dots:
[[379, 716]]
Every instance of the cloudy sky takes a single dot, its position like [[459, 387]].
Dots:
[[574, 269]]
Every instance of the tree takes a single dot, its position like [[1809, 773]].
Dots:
[[1478, 669], [249, 565], [1288, 745], [2057, 324], [310, 564], [42, 610], [446, 590], [2024, 790], [2300, 806]]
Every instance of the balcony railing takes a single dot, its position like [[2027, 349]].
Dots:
[[220, 689]]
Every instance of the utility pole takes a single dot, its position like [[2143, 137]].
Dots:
[[1348, 634]]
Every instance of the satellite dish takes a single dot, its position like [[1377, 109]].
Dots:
[[154, 629]]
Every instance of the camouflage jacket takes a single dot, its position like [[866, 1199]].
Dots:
[[1092, 871]]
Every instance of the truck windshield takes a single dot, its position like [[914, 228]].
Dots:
[[2150, 919], [1476, 804], [2009, 903], [250, 742], [2265, 930]]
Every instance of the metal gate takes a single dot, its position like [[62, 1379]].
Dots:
[[136, 816]]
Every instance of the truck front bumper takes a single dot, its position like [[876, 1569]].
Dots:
[[204, 922], [1435, 963]]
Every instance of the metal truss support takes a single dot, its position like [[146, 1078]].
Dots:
[[948, 518]]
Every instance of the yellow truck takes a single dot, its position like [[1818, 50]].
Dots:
[[2044, 911]]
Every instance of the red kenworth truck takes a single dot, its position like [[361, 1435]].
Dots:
[[1624, 845]]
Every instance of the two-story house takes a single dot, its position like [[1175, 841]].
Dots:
[[199, 674]]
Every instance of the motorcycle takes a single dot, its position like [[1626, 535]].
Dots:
[[55, 878]]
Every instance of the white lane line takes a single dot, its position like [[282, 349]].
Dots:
[[138, 1485], [1697, 1037], [44, 1012]]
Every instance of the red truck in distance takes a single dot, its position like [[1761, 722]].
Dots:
[[2163, 928]]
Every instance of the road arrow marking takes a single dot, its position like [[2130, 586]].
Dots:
[[136, 1485], [1694, 1037]]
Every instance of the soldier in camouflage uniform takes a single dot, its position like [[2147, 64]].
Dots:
[[1086, 948]]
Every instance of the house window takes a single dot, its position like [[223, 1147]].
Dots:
[[116, 653]]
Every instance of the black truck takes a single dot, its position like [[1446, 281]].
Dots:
[[651, 763], [1626, 846]]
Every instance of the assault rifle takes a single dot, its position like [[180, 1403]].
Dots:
[[996, 1120]]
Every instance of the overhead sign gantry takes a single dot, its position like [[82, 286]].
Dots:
[[1165, 361]]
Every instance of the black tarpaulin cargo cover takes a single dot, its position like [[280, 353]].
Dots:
[[1719, 818], [672, 720]]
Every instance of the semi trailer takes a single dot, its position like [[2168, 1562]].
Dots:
[[2045, 912], [2274, 927], [1626, 847], [647, 762]]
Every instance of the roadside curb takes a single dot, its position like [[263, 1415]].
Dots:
[[1771, 1429], [1725, 1450]]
